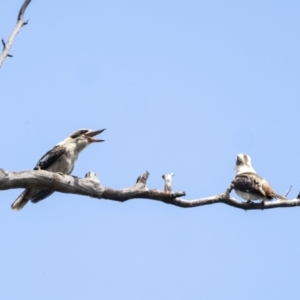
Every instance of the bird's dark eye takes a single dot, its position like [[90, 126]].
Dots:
[[78, 133], [238, 162]]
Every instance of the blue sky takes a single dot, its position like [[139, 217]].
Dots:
[[183, 87]]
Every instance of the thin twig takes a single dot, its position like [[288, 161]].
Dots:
[[20, 24], [22, 10], [286, 194]]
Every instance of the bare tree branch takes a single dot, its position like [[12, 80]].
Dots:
[[226, 199], [91, 186], [20, 24]]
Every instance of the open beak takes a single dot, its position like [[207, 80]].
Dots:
[[91, 135]]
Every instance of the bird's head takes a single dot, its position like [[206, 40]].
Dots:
[[243, 164], [82, 138]]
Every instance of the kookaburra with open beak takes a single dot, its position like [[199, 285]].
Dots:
[[60, 159], [248, 184]]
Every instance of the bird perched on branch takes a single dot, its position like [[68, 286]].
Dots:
[[248, 184], [60, 159]]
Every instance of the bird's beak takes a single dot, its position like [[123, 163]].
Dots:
[[91, 135]]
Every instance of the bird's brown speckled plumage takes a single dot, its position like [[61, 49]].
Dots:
[[249, 185]]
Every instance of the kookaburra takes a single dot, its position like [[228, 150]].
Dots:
[[60, 159], [248, 184]]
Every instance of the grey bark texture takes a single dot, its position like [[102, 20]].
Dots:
[[91, 186]]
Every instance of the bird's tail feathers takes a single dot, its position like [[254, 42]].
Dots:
[[41, 195], [20, 202], [280, 197]]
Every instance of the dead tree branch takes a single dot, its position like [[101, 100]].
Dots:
[[91, 186], [88, 186], [20, 24], [168, 182]]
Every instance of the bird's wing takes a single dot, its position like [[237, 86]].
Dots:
[[43, 164], [50, 157], [41, 195], [250, 183], [270, 193]]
